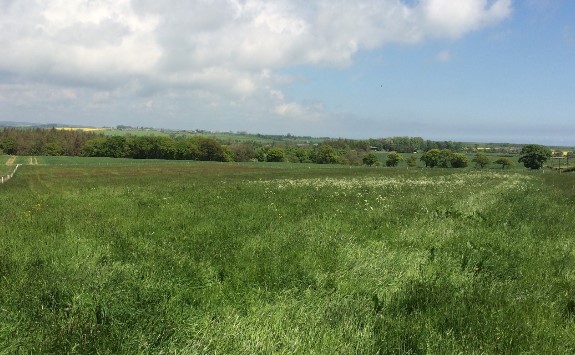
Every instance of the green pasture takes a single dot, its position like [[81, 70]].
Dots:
[[116, 256]]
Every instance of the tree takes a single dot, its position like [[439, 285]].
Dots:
[[534, 155], [115, 147], [370, 160], [325, 154], [444, 158], [243, 151], [481, 160], [8, 144], [458, 160], [275, 154], [300, 154], [435, 157], [393, 158], [52, 149], [569, 155], [505, 162], [94, 147], [411, 161]]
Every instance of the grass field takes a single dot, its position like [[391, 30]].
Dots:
[[113, 256]]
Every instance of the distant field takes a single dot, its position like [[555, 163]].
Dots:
[[220, 136], [3, 167], [83, 129], [125, 256]]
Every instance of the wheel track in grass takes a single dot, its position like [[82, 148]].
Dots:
[[11, 160], [433, 227]]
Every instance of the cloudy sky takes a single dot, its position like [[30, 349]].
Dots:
[[476, 70]]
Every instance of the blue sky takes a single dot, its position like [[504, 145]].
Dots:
[[466, 70]]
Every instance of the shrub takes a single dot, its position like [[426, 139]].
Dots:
[[370, 160], [481, 160], [393, 158], [458, 160]]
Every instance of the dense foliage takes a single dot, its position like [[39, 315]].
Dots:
[[14, 141], [444, 158], [195, 146], [481, 160], [533, 156]]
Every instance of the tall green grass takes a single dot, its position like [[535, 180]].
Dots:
[[244, 258]]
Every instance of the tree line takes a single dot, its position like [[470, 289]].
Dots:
[[53, 142]]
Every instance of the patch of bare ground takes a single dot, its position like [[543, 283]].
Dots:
[[10, 161]]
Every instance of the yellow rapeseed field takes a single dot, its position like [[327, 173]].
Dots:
[[83, 129]]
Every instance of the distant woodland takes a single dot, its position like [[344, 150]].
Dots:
[[54, 142]]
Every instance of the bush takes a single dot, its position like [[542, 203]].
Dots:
[[370, 160], [275, 154], [458, 160], [505, 162], [393, 158], [481, 160]]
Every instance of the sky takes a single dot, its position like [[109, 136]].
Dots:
[[461, 70]]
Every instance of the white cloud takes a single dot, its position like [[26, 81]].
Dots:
[[228, 50], [456, 18]]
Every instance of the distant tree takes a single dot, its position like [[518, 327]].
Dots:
[[570, 155], [505, 162], [261, 153], [351, 156], [243, 151], [370, 159], [304, 155], [481, 160], [325, 154], [533, 156], [411, 161], [393, 158], [115, 147], [458, 160], [275, 154], [186, 149], [52, 149], [94, 147], [445, 157], [8, 144], [210, 150], [436, 157], [431, 158]]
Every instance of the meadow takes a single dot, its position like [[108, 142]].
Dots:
[[101, 255]]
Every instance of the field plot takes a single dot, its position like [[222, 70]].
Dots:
[[4, 167], [233, 258]]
